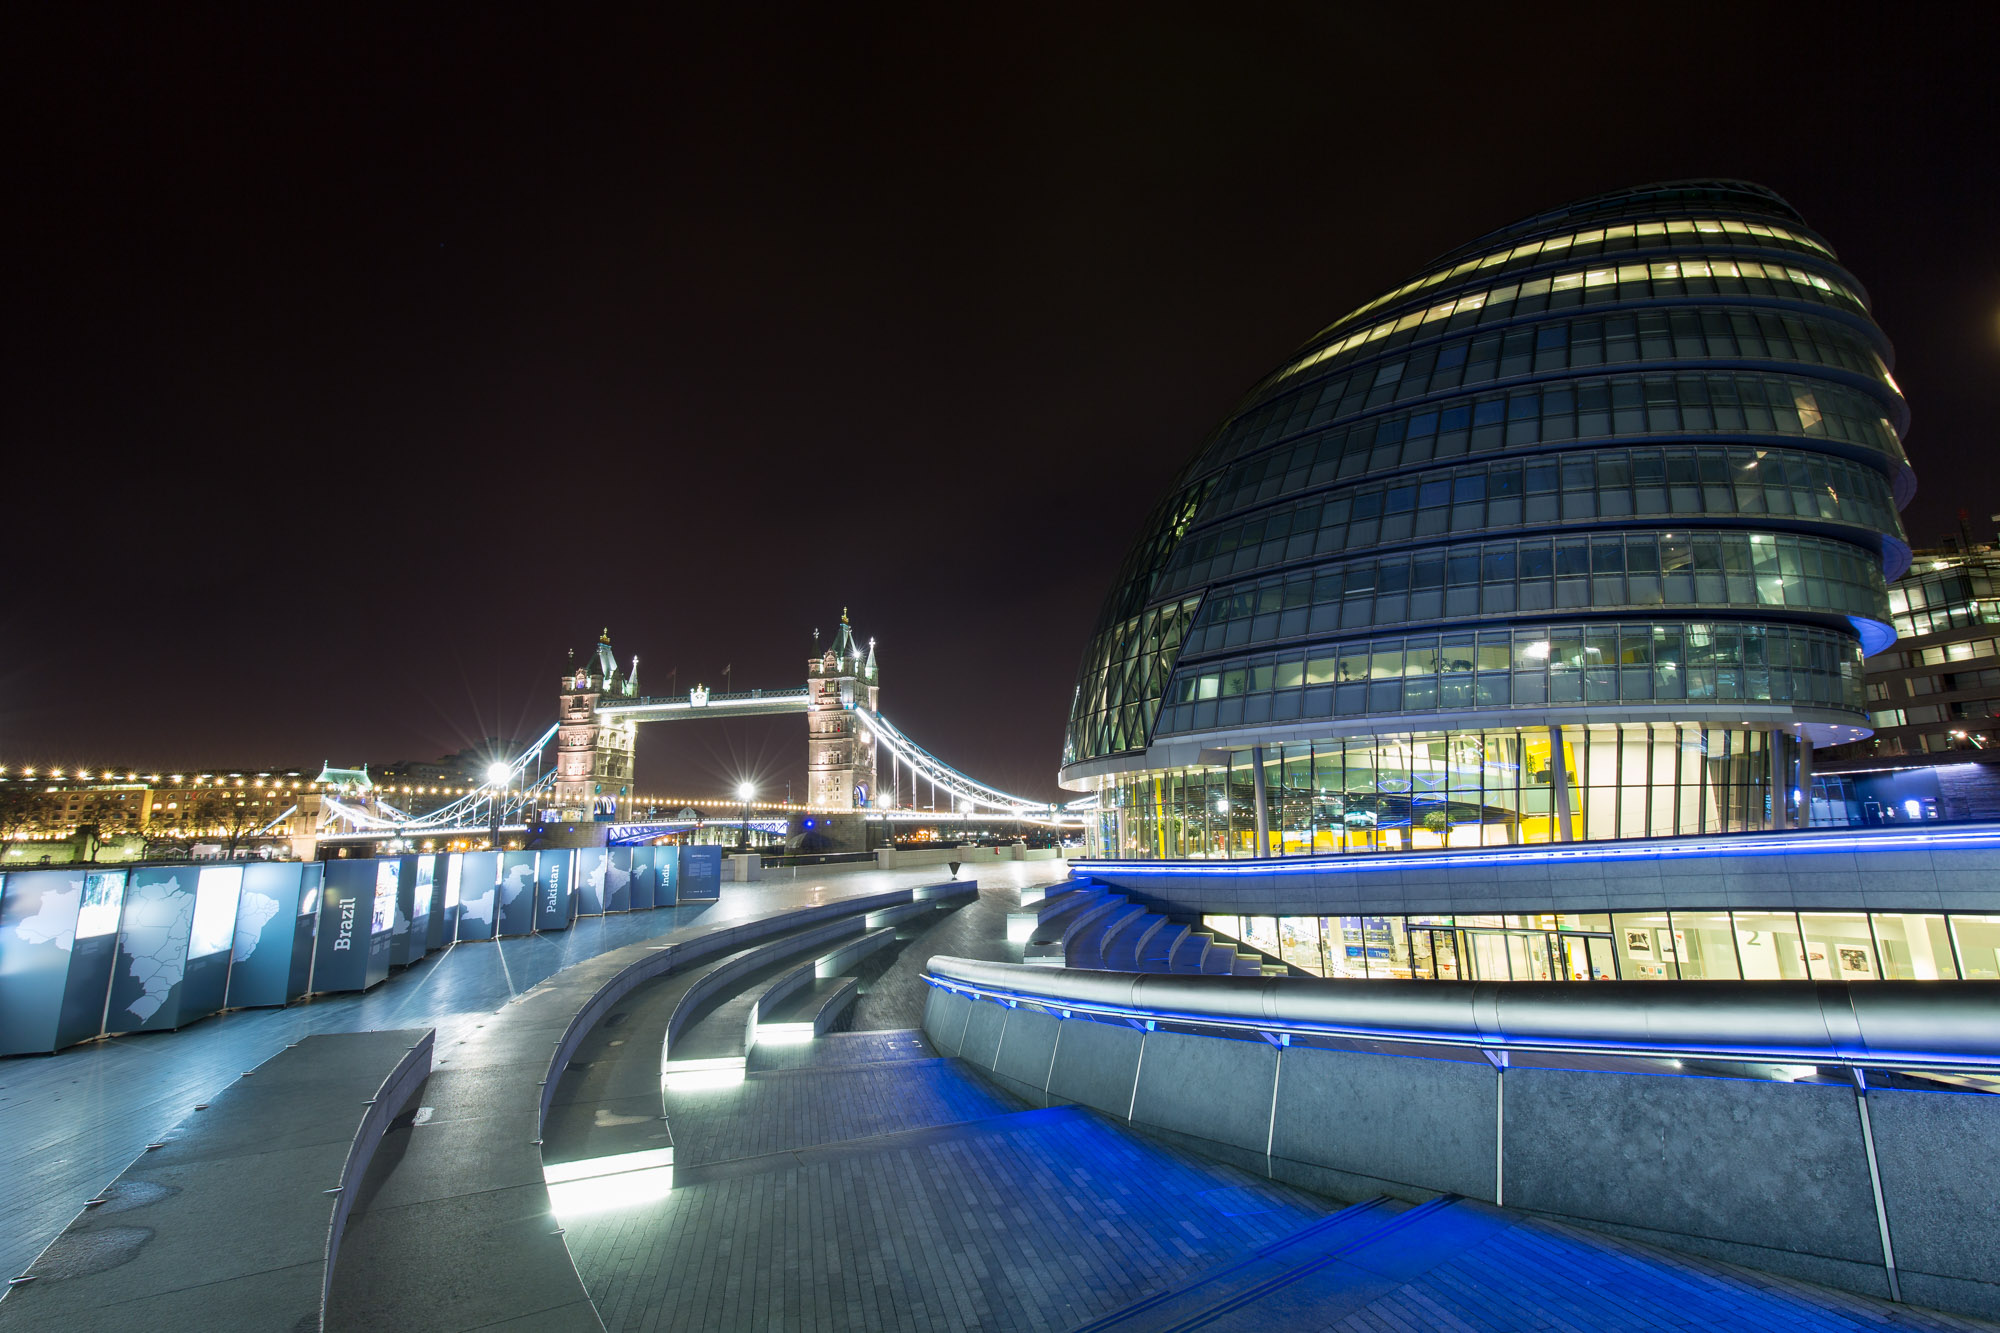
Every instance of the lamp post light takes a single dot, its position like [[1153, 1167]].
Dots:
[[745, 790], [497, 775]]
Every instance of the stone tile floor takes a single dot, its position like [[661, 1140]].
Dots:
[[1538, 1274], [862, 1182]]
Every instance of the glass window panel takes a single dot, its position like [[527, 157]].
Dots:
[[1769, 946], [1260, 932], [1299, 943], [1838, 946], [1644, 942], [1914, 946], [1978, 940]]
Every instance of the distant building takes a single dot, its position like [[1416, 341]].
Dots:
[[110, 815], [122, 814], [593, 754], [840, 752], [1933, 699]]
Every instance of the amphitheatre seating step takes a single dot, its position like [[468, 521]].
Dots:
[[610, 1105], [1157, 952], [946, 891], [720, 1035], [709, 1022], [1055, 917], [895, 916], [1218, 960], [810, 1010], [234, 1220], [849, 955], [1084, 941], [472, 1182], [1037, 893], [1125, 939]]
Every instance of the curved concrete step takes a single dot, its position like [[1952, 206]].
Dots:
[[1157, 952], [1052, 922], [1085, 945], [808, 1012], [1218, 959], [1121, 948], [706, 1031], [1092, 918], [1037, 893]]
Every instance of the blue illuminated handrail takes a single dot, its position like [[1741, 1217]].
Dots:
[[1793, 843], [1934, 1025]]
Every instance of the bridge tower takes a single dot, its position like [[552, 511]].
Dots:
[[594, 757], [840, 753]]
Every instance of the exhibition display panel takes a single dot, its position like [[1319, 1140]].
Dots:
[[89, 951]]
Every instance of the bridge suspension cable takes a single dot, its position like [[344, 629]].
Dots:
[[964, 791], [521, 799], [470, 811]]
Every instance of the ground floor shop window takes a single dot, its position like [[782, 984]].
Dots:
[[1698, 945]]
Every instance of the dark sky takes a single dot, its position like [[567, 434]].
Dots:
[[356, 368]]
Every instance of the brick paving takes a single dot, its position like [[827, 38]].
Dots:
[[851, 1192], [1539, 1274]]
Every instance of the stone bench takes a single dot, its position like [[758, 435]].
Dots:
[[713, 1025], [807, 1011], [234, 1220]]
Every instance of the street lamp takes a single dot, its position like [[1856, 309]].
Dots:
[[745, 791], [497, 774]]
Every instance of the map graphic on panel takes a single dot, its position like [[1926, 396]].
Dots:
[[253, 913], [514, 883], [153, 944], [37, 932], [53, 922]]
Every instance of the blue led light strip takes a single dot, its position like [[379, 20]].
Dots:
[[1743, 845], [1814, 1055]]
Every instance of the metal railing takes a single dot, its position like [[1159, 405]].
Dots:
[[1943, 1026]]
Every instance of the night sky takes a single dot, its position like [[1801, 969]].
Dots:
[[358, 368]]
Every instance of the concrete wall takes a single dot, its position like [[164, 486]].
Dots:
[[1772, 1175], [1940, 1178], [1769, 1174], [1355, 1124], [891, 858], [1936, 879]]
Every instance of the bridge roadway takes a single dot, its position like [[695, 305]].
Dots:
[[76, 1119]]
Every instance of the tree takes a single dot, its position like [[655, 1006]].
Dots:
[[214, 814], [24, 808]]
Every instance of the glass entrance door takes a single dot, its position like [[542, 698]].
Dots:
[[1434, 954]]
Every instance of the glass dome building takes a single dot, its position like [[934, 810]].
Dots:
[[1580, 533]]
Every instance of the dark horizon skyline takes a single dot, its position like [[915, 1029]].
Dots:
[[360, 369]]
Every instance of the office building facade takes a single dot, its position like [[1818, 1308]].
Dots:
[[1582, 533]]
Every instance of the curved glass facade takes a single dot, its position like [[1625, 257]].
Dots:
[[1629, 465]]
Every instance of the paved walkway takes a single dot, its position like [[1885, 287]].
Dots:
[[1544, 1275], [865, 1183], [76, 1119], [1476, 1269], [895, 996]]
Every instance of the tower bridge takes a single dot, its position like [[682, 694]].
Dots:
[[579, 772]]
